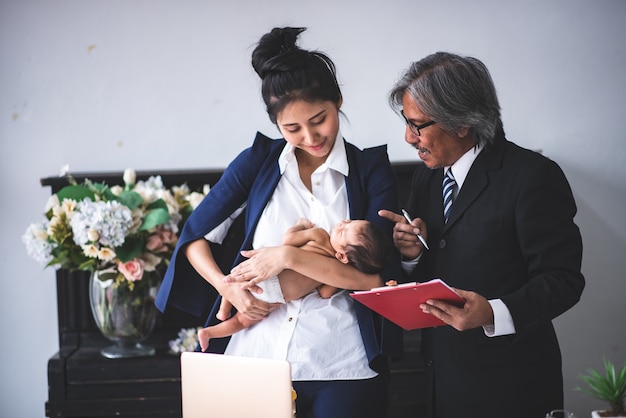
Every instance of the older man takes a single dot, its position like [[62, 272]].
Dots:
[[499, 223]]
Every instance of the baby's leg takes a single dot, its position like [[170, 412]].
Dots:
[[223, 329], [225, 309], [295, 286], [326, 291]]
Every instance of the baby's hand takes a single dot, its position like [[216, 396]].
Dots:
[[305, 223]]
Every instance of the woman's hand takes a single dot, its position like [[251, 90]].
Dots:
[[261, 265], [245, 302], [268, 262], [405, 235]]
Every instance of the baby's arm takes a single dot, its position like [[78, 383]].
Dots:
[[306, 235], [299, 234]]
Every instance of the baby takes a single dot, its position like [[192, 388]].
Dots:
[[355, 242]]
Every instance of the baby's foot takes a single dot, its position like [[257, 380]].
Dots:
[[204, 336]]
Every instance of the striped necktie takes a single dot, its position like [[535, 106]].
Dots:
[[448, 193]]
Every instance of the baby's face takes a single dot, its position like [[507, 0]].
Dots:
[[346, 232]]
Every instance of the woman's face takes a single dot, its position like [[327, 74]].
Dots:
[[310, 127]]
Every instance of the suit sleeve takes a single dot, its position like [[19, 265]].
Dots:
[[552, 246]]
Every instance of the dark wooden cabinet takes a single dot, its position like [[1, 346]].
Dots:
[[82, 383]]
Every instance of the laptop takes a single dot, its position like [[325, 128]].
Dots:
[[223, 386]]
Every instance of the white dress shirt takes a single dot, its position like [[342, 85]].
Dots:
[[319, 337]]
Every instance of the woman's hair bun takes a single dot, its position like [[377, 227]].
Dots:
[[277, 51]]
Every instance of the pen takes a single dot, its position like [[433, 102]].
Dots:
[[409, 220]]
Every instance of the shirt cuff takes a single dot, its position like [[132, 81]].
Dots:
[[409, 265], [502, 320]]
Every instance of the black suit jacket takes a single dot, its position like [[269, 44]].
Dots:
[[510, 235]]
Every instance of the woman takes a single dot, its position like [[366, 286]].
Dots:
[[338, 365]]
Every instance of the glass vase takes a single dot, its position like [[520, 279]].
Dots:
[[125, 313]]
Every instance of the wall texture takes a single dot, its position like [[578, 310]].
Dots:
[[164, 84]]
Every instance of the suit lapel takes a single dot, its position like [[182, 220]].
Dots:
[[476, 181]]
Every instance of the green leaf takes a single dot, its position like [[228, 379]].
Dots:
[[154, 218], [108, 195], [130, 199], [131, 249], [76, 193], [104, 276], [159, 203], [99, 188]]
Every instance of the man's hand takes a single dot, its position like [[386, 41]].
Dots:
[[405, 235], [476, 312]]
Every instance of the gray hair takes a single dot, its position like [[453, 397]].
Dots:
[[456, 92]]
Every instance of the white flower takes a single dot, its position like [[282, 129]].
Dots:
[[90, 251], [130, 177], [111, 219], [170, 201], [187, 340], [93, 235], [195, 199], [137, 216], [37, 245], [150, 190], [172, 224], [180, 191], [69, 206], [106, 254], [117, 190], [206, 189], [53, 202], [64, 170]]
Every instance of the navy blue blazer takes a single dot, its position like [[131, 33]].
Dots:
[[252, 177]]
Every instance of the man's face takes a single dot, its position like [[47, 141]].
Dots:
[[436, 147]]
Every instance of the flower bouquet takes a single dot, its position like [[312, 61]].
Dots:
[[124, 235]]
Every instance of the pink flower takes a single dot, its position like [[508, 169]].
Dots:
[[161, 241], [155, 244], [168, 236], [132, 270]]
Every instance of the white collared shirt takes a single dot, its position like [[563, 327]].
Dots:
[[319, 337]]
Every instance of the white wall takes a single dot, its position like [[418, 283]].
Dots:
[[158, 84]]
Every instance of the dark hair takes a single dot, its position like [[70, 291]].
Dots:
[[456, 92], [372, 253], [290, 73]]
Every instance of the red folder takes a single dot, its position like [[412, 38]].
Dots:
[[400, 304]]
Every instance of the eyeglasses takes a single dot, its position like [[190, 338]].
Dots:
[[416, 128]]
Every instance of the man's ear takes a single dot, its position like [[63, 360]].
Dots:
[[463, 132], [341, 256]]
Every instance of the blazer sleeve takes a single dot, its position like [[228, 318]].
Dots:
[[182, 286]]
